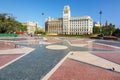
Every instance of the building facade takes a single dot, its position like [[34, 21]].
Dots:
[[69, 25], [31, 27], [54, 26]]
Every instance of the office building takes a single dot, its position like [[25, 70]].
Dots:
[[31, 27], [69, 25]]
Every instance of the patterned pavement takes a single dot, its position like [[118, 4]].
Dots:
[[80, 61], [74, 70], [111, 56], [6, 58], [5, 45]]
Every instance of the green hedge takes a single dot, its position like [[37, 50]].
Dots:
[[6, 35]]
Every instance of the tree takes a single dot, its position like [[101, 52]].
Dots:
[[104, 30], [116, 32], [96, 30], [111, 29], [8, 24], [39, 31], [108, 29]]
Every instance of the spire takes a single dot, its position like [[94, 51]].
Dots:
[[106, 24]]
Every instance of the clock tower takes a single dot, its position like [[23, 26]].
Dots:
[[66, 20]]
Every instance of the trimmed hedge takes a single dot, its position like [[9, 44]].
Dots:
[[8, 35]]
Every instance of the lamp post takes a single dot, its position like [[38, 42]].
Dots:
[[40, 42], [42, 19], [100, 21]]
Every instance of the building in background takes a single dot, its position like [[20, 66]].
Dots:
[[69, 25], [97, 24], [31, 27], [54, 26]]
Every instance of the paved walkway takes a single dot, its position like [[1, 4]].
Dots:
[[9, 56], [94, 60], [34, 65], [60, 64], [99, 64], [21, 50], [85, 57], [75, 70]]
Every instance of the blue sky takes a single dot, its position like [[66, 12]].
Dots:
[[30, 10]]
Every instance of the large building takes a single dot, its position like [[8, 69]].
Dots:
[[54, 26], [69, 25], [31, 27]]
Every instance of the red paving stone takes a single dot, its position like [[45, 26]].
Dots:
[[49, 40], [5, 58], [53, 40], [78, 41], [31, 42], [111, 56], [99, 46], [93, 45], [28, 42], [4, 45], [74, 70]]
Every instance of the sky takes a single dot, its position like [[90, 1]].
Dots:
[[31, 10]]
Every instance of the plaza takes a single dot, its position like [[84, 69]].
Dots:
[[59, 58], [59, 40]]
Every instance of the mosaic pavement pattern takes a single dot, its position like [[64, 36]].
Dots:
[[83, 59], [74, 70]]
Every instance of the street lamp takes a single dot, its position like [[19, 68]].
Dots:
[[42, 19], [100, 21]]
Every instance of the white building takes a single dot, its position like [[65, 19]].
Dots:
[[97, 24], [70, 25], [31, 27]]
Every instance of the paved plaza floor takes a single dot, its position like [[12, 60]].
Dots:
[[59, 59]]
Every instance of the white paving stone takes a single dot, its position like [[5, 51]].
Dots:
[[56, 47], [24, 50], [94, 60], [79, 45], [16, 50]]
